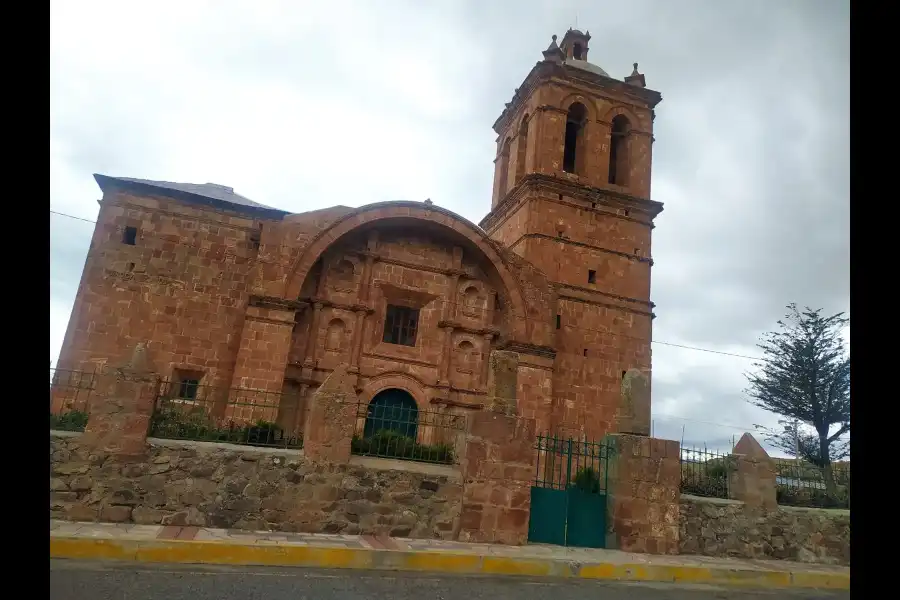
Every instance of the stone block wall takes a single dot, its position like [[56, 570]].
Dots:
[[643, 490], [219, 485], [498, 470], [716, 527]]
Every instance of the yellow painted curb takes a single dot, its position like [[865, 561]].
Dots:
[[224, 553]]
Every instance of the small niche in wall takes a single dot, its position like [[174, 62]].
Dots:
[[129, 236], [255, 238]]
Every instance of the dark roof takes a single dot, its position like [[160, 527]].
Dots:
[[205, 193]]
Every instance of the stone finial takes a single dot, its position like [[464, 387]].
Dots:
[[339, 381], [428, 201], [748, 446], [331, 418], [553, 53], [751, 475], [636, 79]]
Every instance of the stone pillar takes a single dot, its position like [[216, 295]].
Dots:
[[309, 360], [446, 355], [498, 470], [331, 418], [643, 481], [364, 290], [503, 379], [633, 415], [484, 371], [262, 358], [751, 475], [356, 348], [121, 407]]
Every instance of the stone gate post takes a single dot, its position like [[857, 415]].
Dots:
[[122, 406], [644, 479]]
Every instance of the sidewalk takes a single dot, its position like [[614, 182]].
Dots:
[[172, 544]]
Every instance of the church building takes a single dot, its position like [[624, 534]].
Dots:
[[228, 293]]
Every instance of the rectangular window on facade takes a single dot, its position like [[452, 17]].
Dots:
[[130, 236], [186, 384], [400, 325], [558, 321], [592, 276], [187, 389]]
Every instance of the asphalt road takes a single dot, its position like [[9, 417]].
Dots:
[[82, 580]]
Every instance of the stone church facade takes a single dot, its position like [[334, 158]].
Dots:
[[228, 293]]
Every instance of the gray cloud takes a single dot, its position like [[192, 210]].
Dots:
[[308, 107]]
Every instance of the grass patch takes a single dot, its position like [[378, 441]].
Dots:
[[391, 444]]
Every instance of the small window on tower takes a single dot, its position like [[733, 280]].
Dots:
[[592, 276], [130, 236], [401, 325], [558, 321], [577, 51]]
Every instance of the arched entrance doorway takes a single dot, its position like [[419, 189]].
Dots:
[[392, 410]]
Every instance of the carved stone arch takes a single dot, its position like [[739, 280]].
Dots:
[[411, 384], [411, 212], [588, 103], [619, 109]]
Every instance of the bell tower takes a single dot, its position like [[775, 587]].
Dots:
[[572, 196]]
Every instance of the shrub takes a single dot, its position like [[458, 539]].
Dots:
[[812, 497], [74, 420], [168, 422], [587, 480], [392, 444]]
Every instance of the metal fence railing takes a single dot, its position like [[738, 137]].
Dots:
[[188, 410], [800, 483], [407, 433], [564, 462], [797, 482], [704, 473], [70, 398]]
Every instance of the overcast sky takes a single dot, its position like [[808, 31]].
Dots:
[[302, 105]]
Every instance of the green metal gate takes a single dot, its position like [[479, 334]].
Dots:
[[568, 498]]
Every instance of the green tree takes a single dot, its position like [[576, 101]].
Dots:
[[805, 377]]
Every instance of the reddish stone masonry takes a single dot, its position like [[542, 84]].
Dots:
[[229, 293]]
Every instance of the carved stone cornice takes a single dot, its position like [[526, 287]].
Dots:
[[458, 326], [354, 308], [555, 185], [547, 71], [526, 348], [276, 303]]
